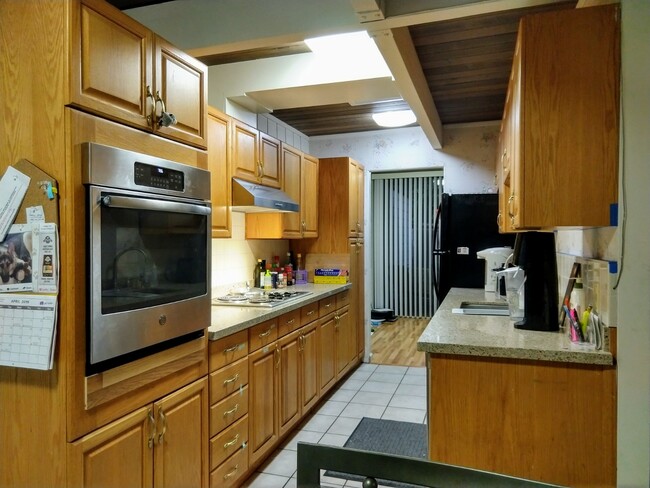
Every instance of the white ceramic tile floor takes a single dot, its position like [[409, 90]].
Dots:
[[378, 391]]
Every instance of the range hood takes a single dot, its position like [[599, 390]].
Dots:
[[251, 197]]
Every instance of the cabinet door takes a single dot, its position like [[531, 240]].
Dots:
[[310, 393], [289, 381], [360, 206], [292, 181], [270, 160], [327, 353], [117, 455], [218, 160], [263, 367], [111, 64], [181, 84], [357, 311], [245, 162], [181, 449], [346, 340], [353, 200], [309, 196]]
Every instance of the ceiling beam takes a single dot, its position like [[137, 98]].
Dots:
[[396, 46], [425, 12]]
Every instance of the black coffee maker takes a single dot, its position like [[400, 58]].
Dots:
[[535, 253]]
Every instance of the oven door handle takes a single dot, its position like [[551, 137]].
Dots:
[[150, 204]]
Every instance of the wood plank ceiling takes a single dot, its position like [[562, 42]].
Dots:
[[466, 63]]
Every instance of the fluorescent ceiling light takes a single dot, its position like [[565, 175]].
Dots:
[[355, 52], [397, 118]]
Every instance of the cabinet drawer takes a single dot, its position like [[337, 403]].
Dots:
[[309, 313], [231, 440], [343, 299], [228, 350], [288, 322], [228, 410], [228, 380], [326, 306], [230, 472], [263, 334]]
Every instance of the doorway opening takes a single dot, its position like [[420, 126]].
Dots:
[[403, 207]]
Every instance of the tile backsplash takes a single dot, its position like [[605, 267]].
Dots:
[[234, 259]]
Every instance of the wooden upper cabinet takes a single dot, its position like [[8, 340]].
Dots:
[[245, 162], [255, 156], [218, 134], [309, 196], [561, 127], [299, 182], [291, 185], [270, 160], [355, 199], [181, 87], [110, 64], [118, 66]]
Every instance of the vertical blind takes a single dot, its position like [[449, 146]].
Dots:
[[403, 211]]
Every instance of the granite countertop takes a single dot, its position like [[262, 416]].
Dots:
[[228, 319], [495, 336]]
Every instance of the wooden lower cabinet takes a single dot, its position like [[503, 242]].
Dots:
[[264, 369], [289, 381], [259, 397], [163, 444], [539, 420], [327, 353], [309, 390]]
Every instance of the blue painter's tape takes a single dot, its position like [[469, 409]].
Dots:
[[613, 267], [613, 214]]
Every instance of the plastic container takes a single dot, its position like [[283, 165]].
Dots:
[[515, 279]]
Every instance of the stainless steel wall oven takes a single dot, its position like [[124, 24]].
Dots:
[[148, 254]]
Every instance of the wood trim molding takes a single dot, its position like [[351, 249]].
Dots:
[[104, 387]]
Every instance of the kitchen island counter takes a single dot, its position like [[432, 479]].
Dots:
[[228, 319], [495, 336]]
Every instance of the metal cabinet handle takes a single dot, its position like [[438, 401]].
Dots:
[[231, 380], [289, 322], [149, 116], [311, 312], [231, 473], [264, 334], [163, 419], [328, 305], [278, 356], [232, 410], [232, 442], [152, 428], [232, 348]]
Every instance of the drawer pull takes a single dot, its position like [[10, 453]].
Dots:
[[232, 442], [328, 305], [231, 473], [311, 312], [264, 334], [231, 411], [233, 348], [289, 322], [231, 380]]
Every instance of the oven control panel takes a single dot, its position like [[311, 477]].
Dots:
[[158, 177]]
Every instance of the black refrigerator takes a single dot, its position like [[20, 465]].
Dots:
[[464, 225]]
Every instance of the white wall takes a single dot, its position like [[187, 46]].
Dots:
[[634, 289], [467, 156]]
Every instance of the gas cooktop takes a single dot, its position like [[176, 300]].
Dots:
[[259, 299]]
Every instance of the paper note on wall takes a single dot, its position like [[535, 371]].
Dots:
[[13, 187]]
